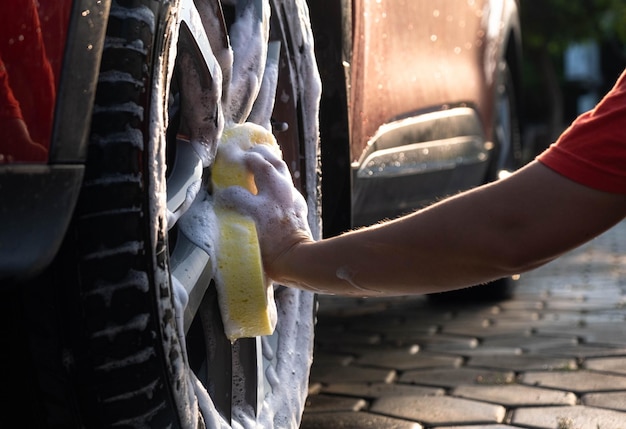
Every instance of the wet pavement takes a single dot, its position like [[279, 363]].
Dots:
[[552, 356]]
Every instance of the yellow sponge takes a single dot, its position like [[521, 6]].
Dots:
[[245, 293]]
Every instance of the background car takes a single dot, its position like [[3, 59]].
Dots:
[[420, 100], [109, 120]]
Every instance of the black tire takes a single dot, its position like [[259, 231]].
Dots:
[[507, 132], [109, 341]]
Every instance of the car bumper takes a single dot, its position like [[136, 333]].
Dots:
[[411, 162], [36, 205]]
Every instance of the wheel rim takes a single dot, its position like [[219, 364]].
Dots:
[[242, 380]]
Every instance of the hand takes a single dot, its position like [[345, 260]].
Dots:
[[278, 209]]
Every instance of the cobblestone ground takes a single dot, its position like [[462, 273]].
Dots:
[[553, 356]]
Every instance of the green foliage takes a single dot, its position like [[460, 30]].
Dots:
[[553, 24], [549, 27]]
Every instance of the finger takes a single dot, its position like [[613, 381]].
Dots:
[[272, 156], [268, 179], [271, 153], [258, 164], [237, 198]]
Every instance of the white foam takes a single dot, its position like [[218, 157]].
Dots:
[[288, 353]]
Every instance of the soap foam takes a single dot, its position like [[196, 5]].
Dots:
[[288, 352]]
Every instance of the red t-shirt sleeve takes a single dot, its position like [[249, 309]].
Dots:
[[592, 151]]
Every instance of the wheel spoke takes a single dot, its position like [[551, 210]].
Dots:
[[249, 37], [192, 269], [183, 182], [200, 83]]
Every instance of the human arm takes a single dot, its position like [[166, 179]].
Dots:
[[496, 230]]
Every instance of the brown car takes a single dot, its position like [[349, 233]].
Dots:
[[419, 101]]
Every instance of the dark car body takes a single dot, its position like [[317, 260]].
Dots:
[[410, 99], [110, 116], [47, 90]]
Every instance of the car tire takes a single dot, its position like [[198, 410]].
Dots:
[[507, 133], [104, 333]]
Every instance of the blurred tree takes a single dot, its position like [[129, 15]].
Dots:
[[549, 27]]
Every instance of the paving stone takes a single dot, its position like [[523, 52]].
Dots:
[[360, 420], [531, 342], [314, 388], [357, 350], [510, 355], [410, 329], [326, 403], [403, 360], [490, 328], [614, 317], [522, 304], [482, 427], [467, 322], [456, 376], [574, 417], [522, 362], [377, 390], [488, 351], [608, 335], [579, 306], [504, 314], [349, 338], [331, 359], [585, 351], [588, 325], [612, 364], [515, 395], [433, 410], [575, 381], [434, 342], [614, 400], [351, 374]]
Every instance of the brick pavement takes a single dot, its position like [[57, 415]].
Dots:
[[553, 356]]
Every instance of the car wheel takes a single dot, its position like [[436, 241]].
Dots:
[[124, 329]]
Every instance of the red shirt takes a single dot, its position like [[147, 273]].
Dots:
[[592, 151]]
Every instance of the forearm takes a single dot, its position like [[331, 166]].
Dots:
[[419, 254], [475, 237]]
